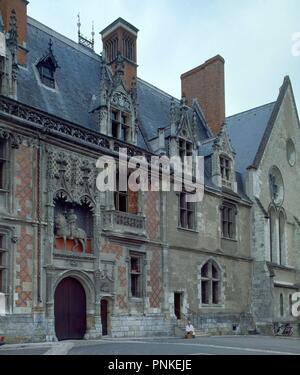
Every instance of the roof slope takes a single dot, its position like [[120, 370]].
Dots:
[[77, 78], [246, 131]]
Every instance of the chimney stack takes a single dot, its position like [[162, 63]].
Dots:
[[120, 38], [206, 84], [20, 6]]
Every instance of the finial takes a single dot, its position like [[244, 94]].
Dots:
[[78, 24], [50, 44], [93, 32]]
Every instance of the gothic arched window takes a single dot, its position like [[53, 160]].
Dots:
[[210, 283]]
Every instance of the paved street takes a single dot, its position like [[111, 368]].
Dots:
[[225, 345]]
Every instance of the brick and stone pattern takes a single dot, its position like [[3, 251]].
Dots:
[[25, 246], [155, 277], [24, 181], [152, 215]]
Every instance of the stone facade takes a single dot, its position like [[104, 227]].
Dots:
[[144, 261]]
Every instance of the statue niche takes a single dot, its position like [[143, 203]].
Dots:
[[73, 227]]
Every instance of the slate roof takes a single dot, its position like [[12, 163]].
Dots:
[[246, 131], [77, 78]]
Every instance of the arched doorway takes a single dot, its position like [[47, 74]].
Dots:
[[70, 310], [104, 317]]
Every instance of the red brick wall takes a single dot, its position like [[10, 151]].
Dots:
[[133, 202], [20, 6], [206, 84]]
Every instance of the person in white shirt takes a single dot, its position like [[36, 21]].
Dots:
[[189, 330]]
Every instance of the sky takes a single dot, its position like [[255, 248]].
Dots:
[[253, 36]]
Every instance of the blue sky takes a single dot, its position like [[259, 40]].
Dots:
[[254, 37]]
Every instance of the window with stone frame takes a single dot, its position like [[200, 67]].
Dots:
[[3, 262], [185, 148], [210, 284], [187, 213], [120, 125], [136, 275], [225, 170], [228, 221], [3, 164]]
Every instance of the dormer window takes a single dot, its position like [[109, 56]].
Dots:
[[225, 168], [47, 75], [120, 125], [47, 67]]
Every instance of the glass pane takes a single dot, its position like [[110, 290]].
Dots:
[[215, 273], [204, 292], [204, 270], [135, 264], [190, 220], [215, 292], [124, 133], [114, 130], [122, 203], [183, 218], [135, 286]]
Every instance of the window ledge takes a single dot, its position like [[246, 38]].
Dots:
[[188, 230], [4, 191], [229, 239], [217, 306]]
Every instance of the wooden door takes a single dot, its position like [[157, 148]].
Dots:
[[70, 310], [177, 305], [104, 317]]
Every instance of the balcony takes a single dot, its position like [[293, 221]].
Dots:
[[124, 223]]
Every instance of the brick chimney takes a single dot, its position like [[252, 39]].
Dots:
[[206, 84], [20, 6], [121, 37]]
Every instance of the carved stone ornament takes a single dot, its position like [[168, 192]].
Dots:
[[120, 100]]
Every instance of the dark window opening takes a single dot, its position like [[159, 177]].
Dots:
[[46, 70], [225, 166], [3, 163], [228, 214], [120, 128], [2, 262], [136, 276], [210, 284], [281, 305], [120, 198]]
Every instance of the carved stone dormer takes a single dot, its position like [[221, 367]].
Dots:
[[223, 161], [117, 106]]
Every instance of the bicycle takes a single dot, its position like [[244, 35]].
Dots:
[[283, 330]]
